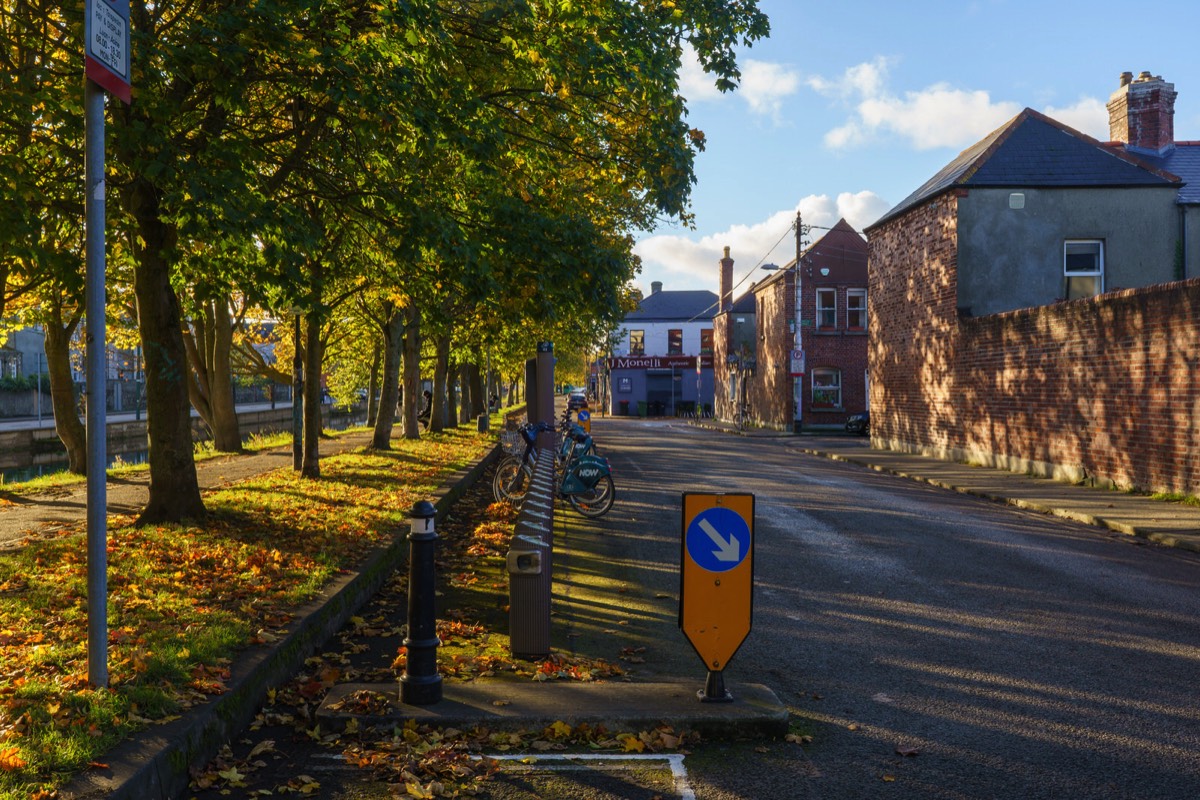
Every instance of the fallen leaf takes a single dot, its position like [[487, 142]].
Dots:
[[907, 751]]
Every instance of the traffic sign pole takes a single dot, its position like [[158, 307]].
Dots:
[[716, 581], [106, 67]]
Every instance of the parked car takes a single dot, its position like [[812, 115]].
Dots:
[[859, 423]]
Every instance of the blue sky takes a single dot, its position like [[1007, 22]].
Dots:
[[850, 106]]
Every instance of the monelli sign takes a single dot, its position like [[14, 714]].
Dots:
[[659, 362]]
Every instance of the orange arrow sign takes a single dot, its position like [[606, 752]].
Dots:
[[717, 574]]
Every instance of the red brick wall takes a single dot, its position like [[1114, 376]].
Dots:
[[770, 392], [1105, 389], [840, 349]]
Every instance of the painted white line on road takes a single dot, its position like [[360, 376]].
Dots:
[[673, 760]]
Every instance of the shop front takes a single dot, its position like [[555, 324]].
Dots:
[[655, 386]]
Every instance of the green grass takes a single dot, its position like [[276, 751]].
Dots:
[[185, 599]]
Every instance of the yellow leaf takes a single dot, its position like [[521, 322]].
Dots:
[[10, 759], [560, 730]]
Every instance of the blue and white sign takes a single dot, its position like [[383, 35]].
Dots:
[[718, 539]]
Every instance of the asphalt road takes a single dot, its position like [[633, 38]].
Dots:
[[933, 645]]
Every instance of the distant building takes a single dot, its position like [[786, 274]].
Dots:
[[662, 363]]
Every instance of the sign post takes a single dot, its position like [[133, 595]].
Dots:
[[106, 62], [716, 581]]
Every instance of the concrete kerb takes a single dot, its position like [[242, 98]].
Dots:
[[155, 763]]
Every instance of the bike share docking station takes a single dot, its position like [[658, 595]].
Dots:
[[530, 557]]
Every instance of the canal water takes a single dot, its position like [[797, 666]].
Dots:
[[124, 456]]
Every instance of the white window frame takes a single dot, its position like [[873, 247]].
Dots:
[[821, 383], [851, 309], [824, 311], [1096, 273]]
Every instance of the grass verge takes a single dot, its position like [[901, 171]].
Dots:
[[184, 600]]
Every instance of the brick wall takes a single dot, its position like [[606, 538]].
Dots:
[[770, 391], [1105, 389]]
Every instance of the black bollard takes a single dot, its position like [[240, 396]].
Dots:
[[421, 685]]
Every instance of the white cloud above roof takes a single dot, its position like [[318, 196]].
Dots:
[[681, 262]]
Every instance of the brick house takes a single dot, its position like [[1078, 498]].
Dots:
[[1035, 305], [828, 382], [662, 362]]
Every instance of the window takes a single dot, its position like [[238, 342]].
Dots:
[[856, 309], [675, 342], [826, 308], [1083, 268], [637, 343], [706, 340], [826, 388]]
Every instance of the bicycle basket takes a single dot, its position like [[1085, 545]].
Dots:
[[511, 442]]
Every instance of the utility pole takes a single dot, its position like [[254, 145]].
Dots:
[[797, 338]]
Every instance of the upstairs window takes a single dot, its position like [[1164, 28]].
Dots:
[[856, 309], [637, 343], [706, 340], [1083, 268], [827, 308], [675, 342]]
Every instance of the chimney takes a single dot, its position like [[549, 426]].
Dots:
[[725, 285], [655, 287], [1141, 113]]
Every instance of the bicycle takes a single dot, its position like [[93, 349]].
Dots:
[[584, 479]]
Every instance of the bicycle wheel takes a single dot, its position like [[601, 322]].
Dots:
[[596, 501], [511, 480]]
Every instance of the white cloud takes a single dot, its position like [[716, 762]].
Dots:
[[763, 86], [936, 116], [683, 263], [1088, 115]]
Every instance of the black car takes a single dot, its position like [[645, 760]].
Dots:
[[576, 400], [859, 423]]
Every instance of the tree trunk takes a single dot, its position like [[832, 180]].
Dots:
[[412, 371], [441, 368], [478, 391], [210, 347], [71, 430], [174, 490], [311, 467], [393, 346], [373, 386], [467, 396]]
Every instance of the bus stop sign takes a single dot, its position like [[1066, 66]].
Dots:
[[717, 574]]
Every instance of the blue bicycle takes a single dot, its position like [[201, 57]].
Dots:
[[584, 478]]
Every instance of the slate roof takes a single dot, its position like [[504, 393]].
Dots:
[[1183, 161], [664, 306], [1032, 150]]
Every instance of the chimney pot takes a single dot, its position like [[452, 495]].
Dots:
[[1126, 78], [655, 287]]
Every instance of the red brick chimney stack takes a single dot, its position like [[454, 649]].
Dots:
[[1141, 113], [725, 287]]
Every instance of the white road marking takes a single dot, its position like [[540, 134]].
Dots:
[[674, 761]]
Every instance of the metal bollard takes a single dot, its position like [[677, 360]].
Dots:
[[421, 685]]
